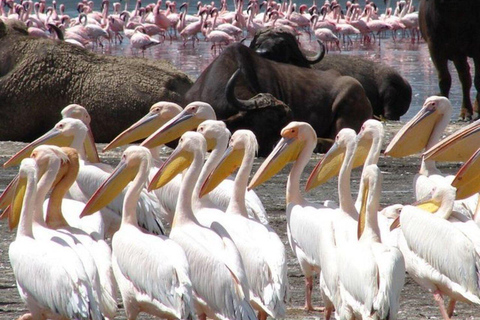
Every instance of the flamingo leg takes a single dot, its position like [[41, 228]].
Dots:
[[308, 293], [437, 295], [328, 313]]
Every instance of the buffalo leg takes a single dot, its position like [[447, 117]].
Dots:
[[476, 82], [466, 79], [444, 78]]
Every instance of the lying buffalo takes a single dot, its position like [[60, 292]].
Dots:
[[39, 77], [389, 93], [325, 99]]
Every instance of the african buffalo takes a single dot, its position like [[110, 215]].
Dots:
[[389, 93], [452, 32], [325, 99]]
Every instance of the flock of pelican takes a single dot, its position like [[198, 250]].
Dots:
[[221, 259]]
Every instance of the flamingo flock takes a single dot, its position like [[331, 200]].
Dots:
[[190, 241], [151, 25]]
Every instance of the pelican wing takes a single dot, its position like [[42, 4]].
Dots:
[[53, 277], [449, 253], [215, 278], [156, 267]]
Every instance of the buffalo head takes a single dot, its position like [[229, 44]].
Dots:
[[279, 45], [263, 114]]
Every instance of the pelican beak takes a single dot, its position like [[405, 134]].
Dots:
[[15, 209], [173, 129], [139, 130], [287, 150], [110, 188], [7, 196], [395, 224], [54, 137], [413, 137], [90, 148], [363, 211], [361, 152], [459, 146], [178, 161], [467, 177], [326, 168], [231, 161], [428, 203]]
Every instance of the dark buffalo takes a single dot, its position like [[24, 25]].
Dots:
[[389, 93], [325, 99], [452, 32]]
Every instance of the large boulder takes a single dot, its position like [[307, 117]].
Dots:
[[39, 77]]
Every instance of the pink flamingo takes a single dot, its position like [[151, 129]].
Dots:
[[142, 41], [192, 29]]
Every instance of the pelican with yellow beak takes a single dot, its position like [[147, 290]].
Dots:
[[445, 265], [261, 249], [72, 132], [305, 220], [167, 290], [50, 277], [217, 272], [421, 133], [190, 118], [370, 287]]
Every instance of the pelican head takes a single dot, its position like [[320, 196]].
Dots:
[[242, 142], [63, 134], [159, 114], [295, 137], [415, 135], [333, 159], [459, 146], [213, 130], [134, 159], [181, 158], [193, 114], [441, 199], [76, 111]]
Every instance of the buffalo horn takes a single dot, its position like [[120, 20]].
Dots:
[[319, 56]]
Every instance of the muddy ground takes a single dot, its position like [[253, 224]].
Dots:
[[416, 303]]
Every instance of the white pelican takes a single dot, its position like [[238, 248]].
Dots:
[[261, 249], [72, 132], [66, 173], [304, 219], [422, 132], [50, 276], [190, 118], [152, 271], [371, 274], [218, 276], [439, 255], [343, 222]]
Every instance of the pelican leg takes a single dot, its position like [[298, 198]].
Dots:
[[202, 317], [328, 313], [308, 293], [262, 315], [451, 307], [437, 295]]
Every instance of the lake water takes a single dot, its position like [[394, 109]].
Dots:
[[411, 60]]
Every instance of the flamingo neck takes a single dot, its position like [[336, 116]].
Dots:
[[28, 209], [129, 209], [293, 183], [344, 192], [184, 211], [237, 202], [212, 161]]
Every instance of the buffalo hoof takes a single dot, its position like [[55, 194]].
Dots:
[[465, 115]]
